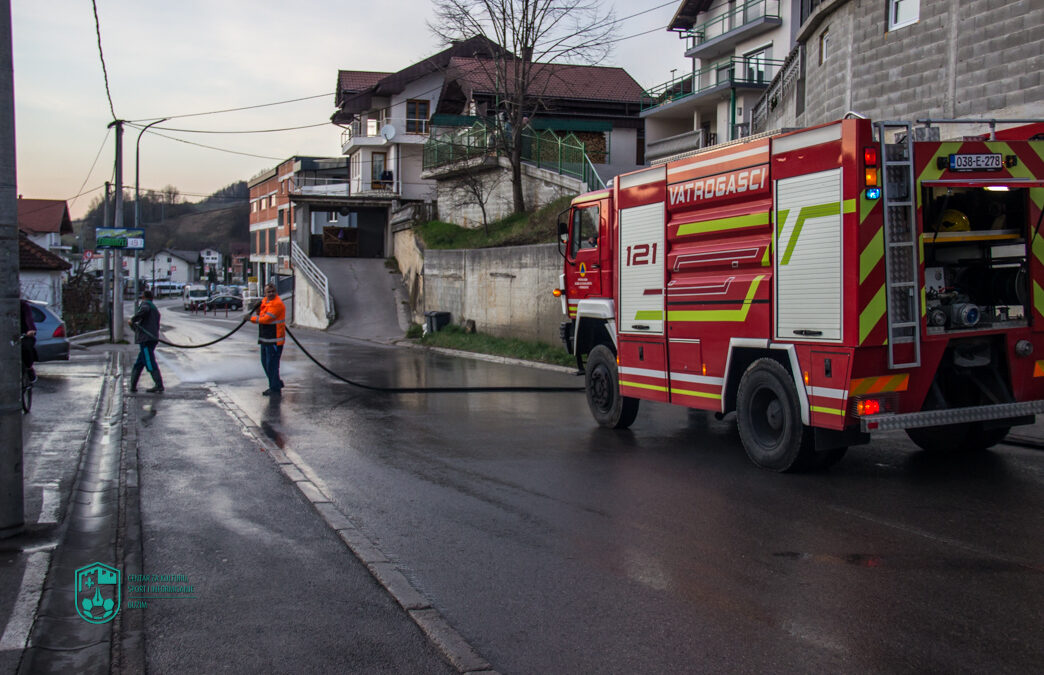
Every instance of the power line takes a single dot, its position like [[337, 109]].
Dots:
[[211, 147], [94, 164], [250, 131], [227, 110], [101, 55]]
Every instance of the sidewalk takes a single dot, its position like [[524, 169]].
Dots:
[[241, 572]]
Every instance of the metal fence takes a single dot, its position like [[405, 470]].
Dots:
[[545, 149]]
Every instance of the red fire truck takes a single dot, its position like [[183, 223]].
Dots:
[[822, 283]]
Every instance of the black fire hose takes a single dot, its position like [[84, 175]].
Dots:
[[389, 390]]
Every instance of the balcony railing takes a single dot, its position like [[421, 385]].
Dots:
[[343, 187], [373, 128], [736, 72], [730, 21]]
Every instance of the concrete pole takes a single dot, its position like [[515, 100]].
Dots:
[[117, 276], [12, 508], [106, 296]]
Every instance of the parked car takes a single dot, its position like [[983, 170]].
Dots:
[[51, 343], [224, 302]]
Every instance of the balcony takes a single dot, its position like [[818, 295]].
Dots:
[[738, 73], [721, 34], [382, 132], [344, 188]]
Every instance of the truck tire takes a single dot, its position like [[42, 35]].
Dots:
[[963, 437], [768, 414], [602, 380]]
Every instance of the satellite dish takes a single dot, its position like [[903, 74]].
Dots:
[[388, 131]]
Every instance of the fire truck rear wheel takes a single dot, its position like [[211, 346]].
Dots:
[[609, 408], [769, 418]]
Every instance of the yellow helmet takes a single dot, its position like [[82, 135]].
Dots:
[[953, 220]]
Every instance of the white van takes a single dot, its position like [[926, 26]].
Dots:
[[193, 295]]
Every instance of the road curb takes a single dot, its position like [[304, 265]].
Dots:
[[60, 640], [439, 632]]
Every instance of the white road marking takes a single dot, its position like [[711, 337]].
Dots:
[[52, 502], [21, 622]]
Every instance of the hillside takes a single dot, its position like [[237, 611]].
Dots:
[[218, 221]]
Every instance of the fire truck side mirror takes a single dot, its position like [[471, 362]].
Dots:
[[563, 232]]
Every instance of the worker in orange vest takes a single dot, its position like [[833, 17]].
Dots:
[[271, 325]]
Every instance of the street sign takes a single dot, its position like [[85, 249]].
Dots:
[[119, 238]]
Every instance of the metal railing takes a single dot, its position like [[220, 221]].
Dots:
[[544, 149], [314, 275], [734, 72], [370, 128], [730, 21]]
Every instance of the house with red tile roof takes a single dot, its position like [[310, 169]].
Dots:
[[44, 221], [40, 272]]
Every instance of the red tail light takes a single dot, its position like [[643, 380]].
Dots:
[[59, 331]]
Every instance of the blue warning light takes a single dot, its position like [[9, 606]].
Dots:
[[873, 193]]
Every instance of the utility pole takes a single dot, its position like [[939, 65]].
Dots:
[[117, 261], [12, 507], [106, 296]]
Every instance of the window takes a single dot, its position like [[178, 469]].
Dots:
[[824, 46], [585, 229], [903, 13], [757, 64], [416, 117], [377, 170]]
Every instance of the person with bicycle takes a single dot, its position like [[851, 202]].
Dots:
[[146, 324], [28, 330]]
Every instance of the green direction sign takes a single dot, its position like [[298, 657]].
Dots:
[[122, 238]]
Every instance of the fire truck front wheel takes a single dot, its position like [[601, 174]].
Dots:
[[769, 418], [609, 408]]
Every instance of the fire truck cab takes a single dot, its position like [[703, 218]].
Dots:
[[822, 284]]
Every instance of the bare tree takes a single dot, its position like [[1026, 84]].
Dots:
[[535, 35], [475, 183]]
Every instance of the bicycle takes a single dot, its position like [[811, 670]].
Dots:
[[27, 384]]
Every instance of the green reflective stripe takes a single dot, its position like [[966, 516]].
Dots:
[[865, 207], [766, 260], [871, 255], [806, 213], [701, 394], [1037, 194], [848, 206], [736, 315], [750, 220], [1038, 247], [781, 219], [871, 315], [641, 385], [1038, 298], [648, 315], [932, 170], [826, 411]]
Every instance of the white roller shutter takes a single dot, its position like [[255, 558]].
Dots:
[[641, 269], [808, 257]]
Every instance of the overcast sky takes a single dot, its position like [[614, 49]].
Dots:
[[191, 56]]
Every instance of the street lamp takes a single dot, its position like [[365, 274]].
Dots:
[[137, 204]]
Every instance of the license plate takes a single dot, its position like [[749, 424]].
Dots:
[[991, 162]]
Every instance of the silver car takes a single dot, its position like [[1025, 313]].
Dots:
[[51, 343]]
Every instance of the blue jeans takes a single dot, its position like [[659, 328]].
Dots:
[[270, 355]]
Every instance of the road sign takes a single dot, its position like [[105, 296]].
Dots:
[[119, 238]]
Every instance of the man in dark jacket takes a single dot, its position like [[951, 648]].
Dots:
[[146, 324]]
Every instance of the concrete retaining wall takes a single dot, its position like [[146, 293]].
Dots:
[[309, 307], [505, 291]]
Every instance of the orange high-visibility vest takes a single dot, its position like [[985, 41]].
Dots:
[[271, 320]]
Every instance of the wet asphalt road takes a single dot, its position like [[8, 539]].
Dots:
[[554, 546]]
